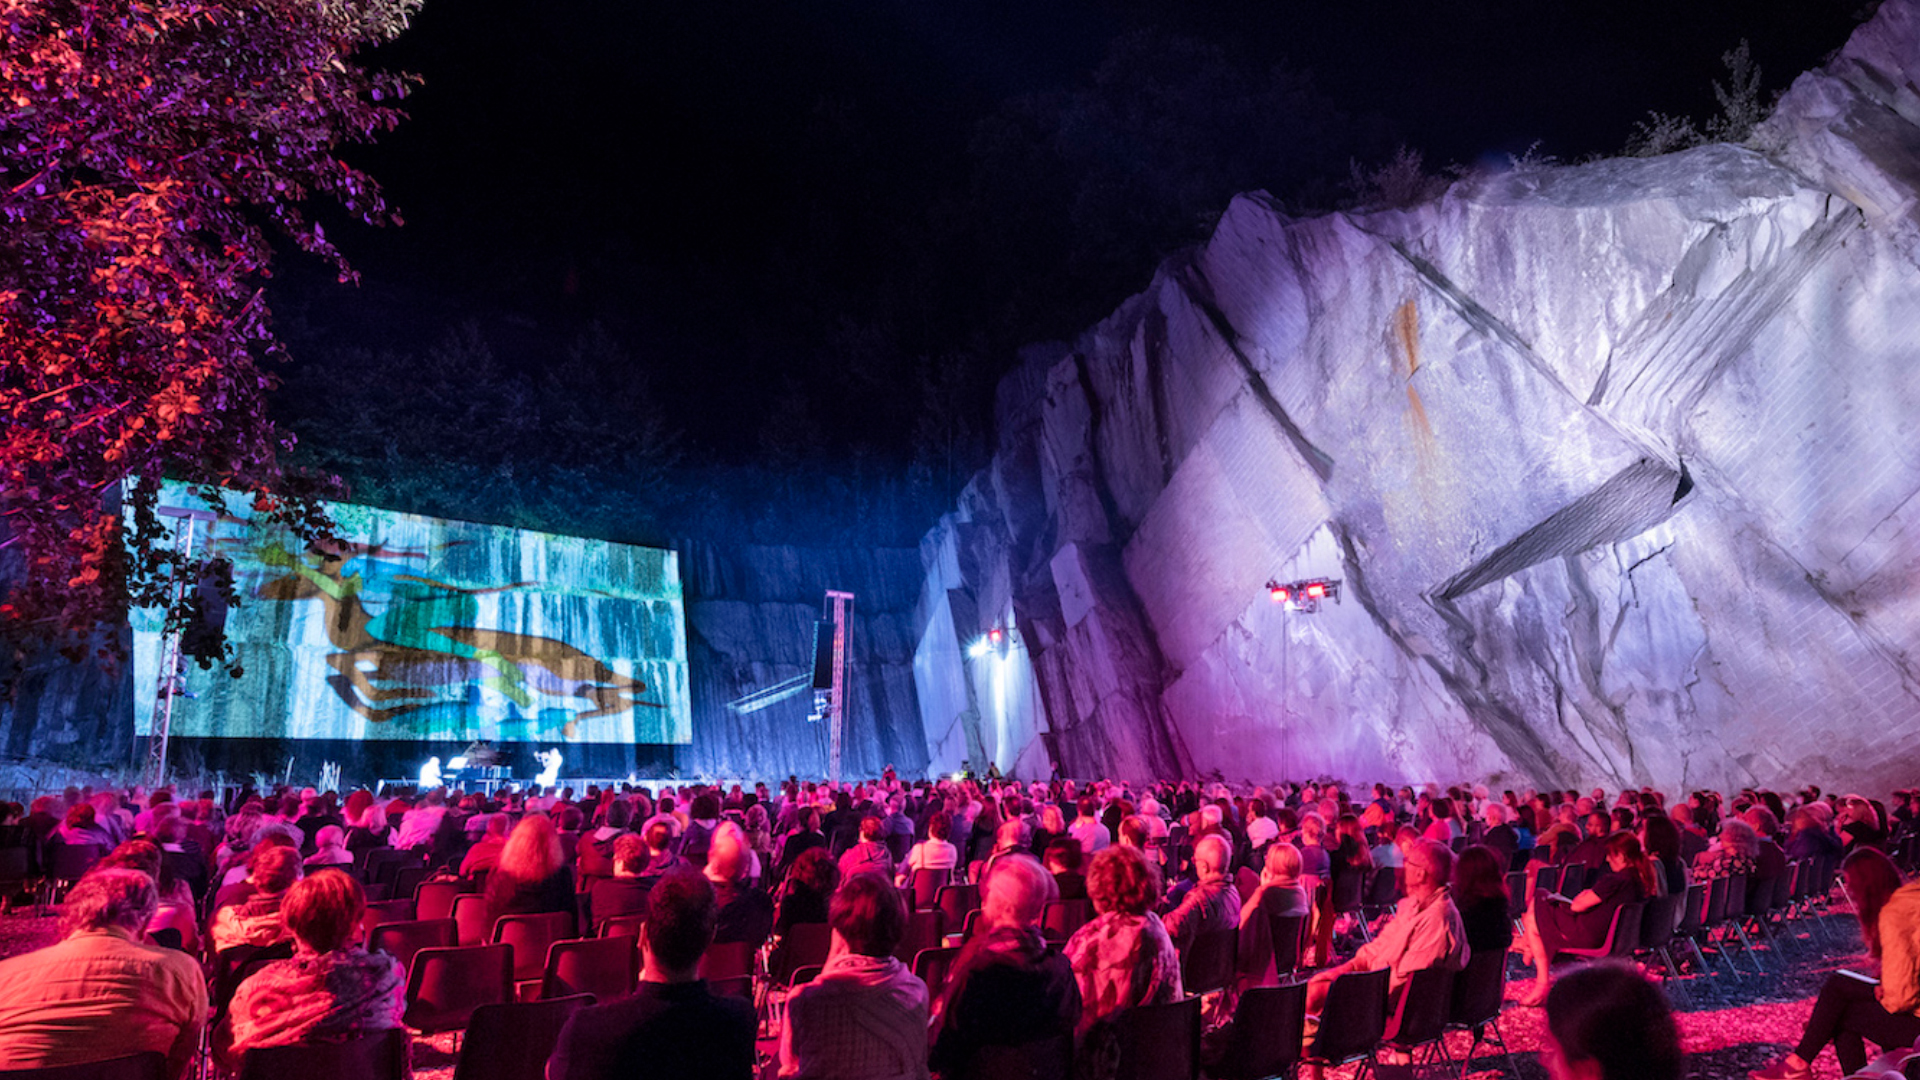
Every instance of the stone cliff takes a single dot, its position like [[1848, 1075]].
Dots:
[[1615, 464]]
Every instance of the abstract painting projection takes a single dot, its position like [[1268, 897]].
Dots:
[[418, 628]]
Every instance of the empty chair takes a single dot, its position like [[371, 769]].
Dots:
[[408, 877], [381, 1055], [434, 899], [382, 912], [151, 1065], [531, 936], [932, 966], [622, 926], [804, 945], [926, 886], [1420, 1015], [925, 930], [384, 863], [66, 864], [1160, 1042], [1623, 935], [445, 986], [1063, 917], [1265, 1037], [956, 900], [607, 968], [1209, 963], [513, 1041], [1479, 994], [470, 916], [401, 940], [727, 961], [1352, 1020]]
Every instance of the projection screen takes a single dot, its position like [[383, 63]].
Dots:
[[420, 628]]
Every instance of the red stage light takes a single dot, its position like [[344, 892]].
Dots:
[[1280, 596], [993, 635], [1316, 590]]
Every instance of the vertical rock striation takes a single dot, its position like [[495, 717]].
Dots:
[[1615, 463]]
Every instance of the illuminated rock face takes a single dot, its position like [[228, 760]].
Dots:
[[1615, 464]]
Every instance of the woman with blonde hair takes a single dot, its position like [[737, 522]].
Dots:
[[533, 877]]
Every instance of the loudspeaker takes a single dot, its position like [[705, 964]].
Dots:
[[823, 654]]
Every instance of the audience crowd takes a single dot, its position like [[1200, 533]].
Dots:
[[244, 916]]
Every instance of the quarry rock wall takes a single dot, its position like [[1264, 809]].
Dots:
[[1614, 464]]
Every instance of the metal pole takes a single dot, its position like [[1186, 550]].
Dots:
[[169, 682], [841, 608]]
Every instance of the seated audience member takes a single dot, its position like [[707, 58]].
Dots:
[[1315, 860], [1591, 851], [1088, 829], [1278, 895], [1554, 923], [233, 880], [102, 992], [332, 989], [746, 911], [1859, 823], [805, 894], [594, 852], [1011, 839], [673, 1022], [330, 848], [806, 837], [935, 852], [533, 876], [1124, 956], [174, 908], [1480, 895], [366, 822], [864, 1017], [1424, 932], [1064, 860], [661, 858], [82, 827], [485, 855], [625, 893], [1810, 838], [1008, 986], [1735, 851], [1503, 838], [1213, 903], [1855, 1008], [258, 920], [1607, 1022], [1660, 838], [870, 855]]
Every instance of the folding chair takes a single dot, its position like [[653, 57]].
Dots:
[[401, 940], [434, 899], [926, 886], [531, 936], [1264, 1039], [1479, 996], [804, 945], [607, 968], [931, 967], [1352, 1020], [470, 916], [955, 901], [925, 930], [513, 1041], [381, 912], [1062, 917], [1210, 961], [1160, 1042], [1420, 1016], [622, 926], [445, 986]]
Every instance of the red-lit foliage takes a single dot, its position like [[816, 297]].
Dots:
[[146, 148]]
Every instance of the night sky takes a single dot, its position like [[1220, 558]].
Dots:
[[813, 209]]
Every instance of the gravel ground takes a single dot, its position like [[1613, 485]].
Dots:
[[1730, 1026]]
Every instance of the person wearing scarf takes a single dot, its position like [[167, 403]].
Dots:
[[331, 990]]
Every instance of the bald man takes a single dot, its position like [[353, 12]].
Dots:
[[1213, 903], [1008, 986]]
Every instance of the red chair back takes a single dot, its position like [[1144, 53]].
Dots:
[[434, 899], [381, 1055], [401, 940], [531, 936], [470, 915], [445, 986], [514, 1040], [606, 967]]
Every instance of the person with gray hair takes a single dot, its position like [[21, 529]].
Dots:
[[102, 992], [1008, 986], [1425, 930], [1213, 902]]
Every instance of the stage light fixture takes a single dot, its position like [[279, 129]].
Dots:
[[1304, 596], [1278, 593]]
